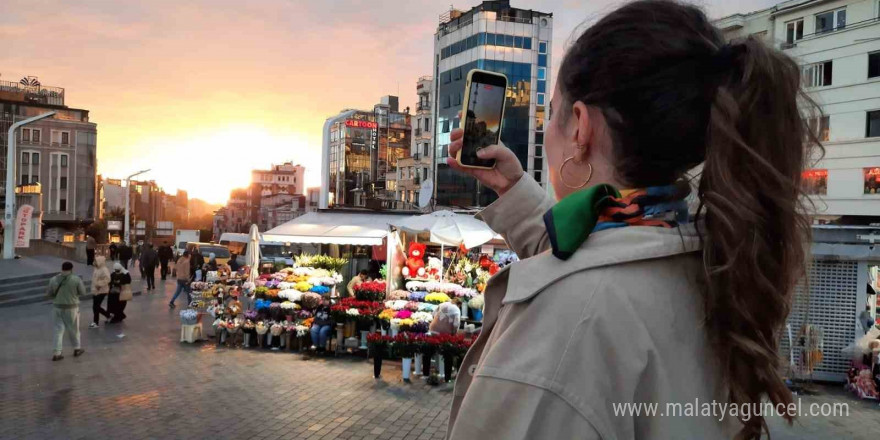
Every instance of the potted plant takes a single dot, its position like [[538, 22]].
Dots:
[[378, 346], [405, 347]]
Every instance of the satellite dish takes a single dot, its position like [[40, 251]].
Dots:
[[426, 192]]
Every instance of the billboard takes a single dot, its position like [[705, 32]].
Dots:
[[114, 225], [23, 226]]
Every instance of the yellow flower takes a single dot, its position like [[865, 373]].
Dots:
[[407, 322], [387, 314], [436, 298], [302, 286]]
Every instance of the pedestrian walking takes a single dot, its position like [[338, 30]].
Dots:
[[623, 297], [100, 289], [149, 260], [120, 293], [166, 254], [91, 245], [113, 251], [182, 266], [65, 289], [125, 254]]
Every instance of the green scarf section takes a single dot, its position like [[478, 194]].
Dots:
[[573, 218]]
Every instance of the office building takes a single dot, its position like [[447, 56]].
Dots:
[[59, 153], [837, 43], [360, 156], [497, 37]]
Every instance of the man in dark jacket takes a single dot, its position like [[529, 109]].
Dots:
[[149, 260], [165, 255], [196, 262], [113, 251]]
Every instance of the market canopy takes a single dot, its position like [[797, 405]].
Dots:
[[448, 228], [356, 228]]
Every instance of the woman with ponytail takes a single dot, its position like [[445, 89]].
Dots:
[[625, 299]]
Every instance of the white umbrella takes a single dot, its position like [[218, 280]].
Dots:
[[449, 228], [253, 253]]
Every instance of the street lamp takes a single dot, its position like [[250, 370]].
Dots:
[[128, 204], [8, 226]]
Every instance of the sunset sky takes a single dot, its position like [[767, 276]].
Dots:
[[202, 91]]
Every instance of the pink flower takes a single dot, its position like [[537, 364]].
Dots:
[[403, 314]]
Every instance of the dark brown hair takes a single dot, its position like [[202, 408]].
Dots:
[[675, 96]]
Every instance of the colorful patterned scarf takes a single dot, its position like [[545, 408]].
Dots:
[[601, 207]]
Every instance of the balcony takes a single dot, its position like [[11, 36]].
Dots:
[[32, 92], [426, 106]]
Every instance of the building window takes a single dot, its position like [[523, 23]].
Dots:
[[457, 73], [542, 47], [815, 182], [872, 180], [794, 31], [35, 158], [457, 99], [542, 86], [831, 20], [873, 125], [35, 136], [542, 60], [62, 205], [63, 160], [446, 126], [820, 126], [539, 150], [542, 73], [62, 183], [25, 134], [65, 138], [25, 158], [818, 74], [539, 138], [518, 42], [538, 176], [527, 43], [873, 65], [540, 99]]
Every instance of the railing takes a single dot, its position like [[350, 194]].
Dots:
[[417, 132], [423, 106], [814, 35], [39, 93]]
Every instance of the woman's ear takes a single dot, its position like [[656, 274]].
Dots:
[[583, 127]]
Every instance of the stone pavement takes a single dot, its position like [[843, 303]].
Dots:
[[148, 385]]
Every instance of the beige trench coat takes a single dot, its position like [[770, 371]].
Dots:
[[620, 322]]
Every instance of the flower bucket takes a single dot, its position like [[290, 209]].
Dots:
[[441, 364], [382, 332], [268, 339], [339, 335], [418, 364], [478, 315], [349, 329], [364, 334], [464, 310], [377, 366], [222, 338], [447, 368], [407, 368], [247, 339]]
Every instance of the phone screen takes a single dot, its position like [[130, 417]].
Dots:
[[482, 125]]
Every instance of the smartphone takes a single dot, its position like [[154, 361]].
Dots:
[[483, 111]]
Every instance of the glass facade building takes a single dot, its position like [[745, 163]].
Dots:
[[495, 37], [363, 149]]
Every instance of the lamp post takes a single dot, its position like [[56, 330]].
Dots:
[[126, 235], [9, 216]]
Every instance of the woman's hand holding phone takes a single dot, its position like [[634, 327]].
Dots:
[[500, 179]]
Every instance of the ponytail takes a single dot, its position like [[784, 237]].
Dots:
[[675, 96], [755, 226]]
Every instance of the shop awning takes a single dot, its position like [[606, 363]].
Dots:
[[358, 228]]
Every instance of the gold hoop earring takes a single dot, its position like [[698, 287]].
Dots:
[[562, 174]]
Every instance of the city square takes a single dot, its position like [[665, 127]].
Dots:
[[513, 219]]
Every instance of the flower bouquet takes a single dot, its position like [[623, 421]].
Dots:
[[310, 300], [189, 317], [212, 276], [437, 298], [422, 317], [290, 294], [419, 327], [262, 327], [476, 305], [233, 326], [415, 286], [198, 285], [262, 305], [403, 314], [308, 322], [320, 290], [398, 294], [387, 314], [251, 315], [397, 305], [233, 308], [465, 293], [418, 296], [405, 324], [370, 291], [427, 307], [303, 286], [260, 292], [412, 306]]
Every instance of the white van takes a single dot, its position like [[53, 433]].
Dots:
[[270, 252]]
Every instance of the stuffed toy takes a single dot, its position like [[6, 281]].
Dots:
[[415, 263], [434, 268]]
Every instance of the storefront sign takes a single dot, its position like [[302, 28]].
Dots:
[[114, 225], [361, 124], [23, 226]]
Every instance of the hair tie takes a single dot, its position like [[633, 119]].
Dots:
[[727, 56]]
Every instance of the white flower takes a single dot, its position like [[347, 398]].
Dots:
[[476, 302], [395, 322], [422, 316], [301, 330], [352, 312], [300, 271], [427, 307], [399, 304], [415, 286], [284, 285], [389, 304]]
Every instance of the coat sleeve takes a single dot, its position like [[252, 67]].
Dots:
[[80, 288], [528, 412], [519, 217], [50, 289]]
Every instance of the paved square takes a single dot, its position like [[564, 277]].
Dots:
[[148, 385]]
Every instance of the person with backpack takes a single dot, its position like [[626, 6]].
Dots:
[[65, 289]]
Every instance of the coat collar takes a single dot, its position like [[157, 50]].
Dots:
[[531, 276]]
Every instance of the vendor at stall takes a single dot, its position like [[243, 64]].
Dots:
[[357, 279], [447, 319], [321, 326]]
